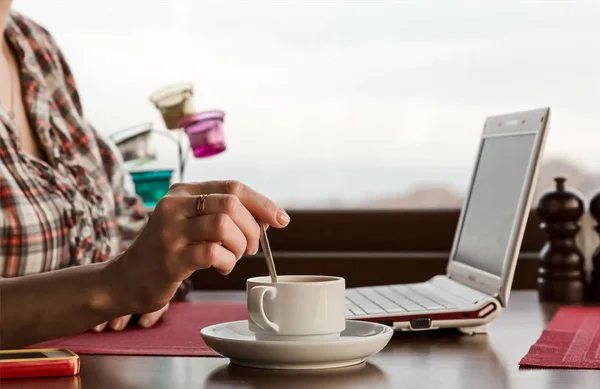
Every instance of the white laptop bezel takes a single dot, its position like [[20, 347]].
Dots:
[[521, 123]]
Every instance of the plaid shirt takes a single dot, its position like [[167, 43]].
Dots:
[[73, 209]]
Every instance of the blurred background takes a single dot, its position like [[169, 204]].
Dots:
[[343, 104]]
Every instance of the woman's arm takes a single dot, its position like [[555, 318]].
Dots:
[[49, 305], [179, 238]]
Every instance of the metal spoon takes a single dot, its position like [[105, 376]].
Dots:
[[264, 243]]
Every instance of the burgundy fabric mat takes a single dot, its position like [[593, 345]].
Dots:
[[176, 334], [571, 340]]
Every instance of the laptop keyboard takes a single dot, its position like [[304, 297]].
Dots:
[[396, 299]]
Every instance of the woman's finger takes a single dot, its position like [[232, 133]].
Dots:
[[261, 207], [119, 323], [218, 228], [233, 207], [205, 255], [149, 319], [100, 327]]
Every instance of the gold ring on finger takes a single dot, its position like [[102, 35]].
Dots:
[[200, 204]]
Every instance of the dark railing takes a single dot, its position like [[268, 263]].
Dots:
[[368, 248]]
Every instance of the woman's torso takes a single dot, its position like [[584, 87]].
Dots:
[[57, 201]]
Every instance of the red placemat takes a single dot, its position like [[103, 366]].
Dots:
[[571, 340], [176, 334]]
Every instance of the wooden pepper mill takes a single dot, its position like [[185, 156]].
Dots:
[[561, 275], [595, 281]]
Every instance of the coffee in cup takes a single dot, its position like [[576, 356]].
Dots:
[[296, 308]]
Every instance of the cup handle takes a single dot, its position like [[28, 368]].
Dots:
[[256, 307]]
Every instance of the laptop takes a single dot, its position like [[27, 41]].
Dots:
[[480, 270]]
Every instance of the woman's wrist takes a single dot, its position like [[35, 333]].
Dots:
[[107, 296]]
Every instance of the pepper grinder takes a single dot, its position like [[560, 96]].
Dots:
[[561, 274], [595, 281]]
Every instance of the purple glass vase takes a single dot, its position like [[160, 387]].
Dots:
[[205, 132]]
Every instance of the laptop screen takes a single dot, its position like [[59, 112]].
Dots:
[[490, 212]]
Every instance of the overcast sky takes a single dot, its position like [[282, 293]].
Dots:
[[395, 82]]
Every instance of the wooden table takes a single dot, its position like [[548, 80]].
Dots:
[[421, 360]]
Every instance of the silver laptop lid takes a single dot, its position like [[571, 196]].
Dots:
[[497, 204]]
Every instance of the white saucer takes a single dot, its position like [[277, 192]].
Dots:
[[357, 342]]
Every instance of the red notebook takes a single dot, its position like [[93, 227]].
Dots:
[[176, 334], [571, 340]]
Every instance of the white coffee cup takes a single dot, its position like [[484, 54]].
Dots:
[[302, 308]]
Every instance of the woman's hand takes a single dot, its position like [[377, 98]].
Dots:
[[187, 232]]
